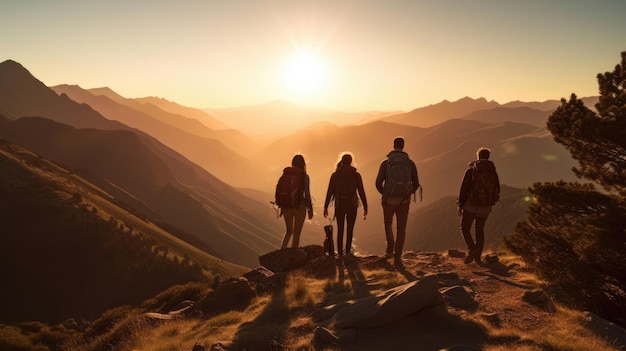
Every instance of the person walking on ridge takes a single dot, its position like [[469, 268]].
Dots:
[[343, 186], [396, 181], [293, 196], [480, 190]]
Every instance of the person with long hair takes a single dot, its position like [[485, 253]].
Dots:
[[295, 215], [343, 187]]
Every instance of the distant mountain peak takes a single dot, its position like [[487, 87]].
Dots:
[[14, 68], [11, 62], [108, 92]]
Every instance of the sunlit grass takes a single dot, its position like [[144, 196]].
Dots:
[[566, 331], [282, 320]]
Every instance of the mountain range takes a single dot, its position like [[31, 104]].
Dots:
[[135, 167], [207, 184]]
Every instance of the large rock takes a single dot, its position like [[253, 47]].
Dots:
[[234, 294], [289, 259], [265, 280], [386, 307]]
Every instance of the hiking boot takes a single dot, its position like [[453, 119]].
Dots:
[[470, 257], [478, 260], [389, 255]]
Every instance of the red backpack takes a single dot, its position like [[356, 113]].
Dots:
[[289, 187]]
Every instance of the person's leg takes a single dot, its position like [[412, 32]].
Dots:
[[350, 220], [340, 214], [388, 212], [299, 216], [480, 237], [288, 215], [466, 225], [402, 217]]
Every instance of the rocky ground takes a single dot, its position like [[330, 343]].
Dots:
[[500, 294], [435, 301]]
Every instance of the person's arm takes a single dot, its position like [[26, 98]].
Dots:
[[329, 193], [466, 187], [361, 190], [307, 195], [414, 177], [380, 178]]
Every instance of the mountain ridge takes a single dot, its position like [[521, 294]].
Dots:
[[230, 220], [84, 253], [207, 149]]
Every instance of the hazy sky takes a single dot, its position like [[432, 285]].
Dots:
[[350, 55]]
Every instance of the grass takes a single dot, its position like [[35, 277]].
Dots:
[[282, 321]]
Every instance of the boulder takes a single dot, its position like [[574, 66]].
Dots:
[[388, 306], [284, 260], [457, 296], [265, 280], [234, 294]]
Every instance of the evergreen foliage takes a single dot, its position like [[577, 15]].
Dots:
[[575, 235]]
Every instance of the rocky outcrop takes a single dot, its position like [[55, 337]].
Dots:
[[385, 307]]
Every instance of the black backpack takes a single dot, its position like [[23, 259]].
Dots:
[[289, 187], [345, 188], [398, 177], [486, 187]]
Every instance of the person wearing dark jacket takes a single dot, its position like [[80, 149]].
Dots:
[[472, 210], [397, 205], [343, 187]]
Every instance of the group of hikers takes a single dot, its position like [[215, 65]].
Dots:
[[397, 181]]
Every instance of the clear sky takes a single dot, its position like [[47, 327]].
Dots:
[[349, 55]]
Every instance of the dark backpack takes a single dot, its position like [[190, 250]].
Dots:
[[398, 177], [289, 187], [345, 189], [486, 188]]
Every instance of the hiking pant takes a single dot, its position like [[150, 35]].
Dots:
[[401, 212], [294, 220], [466, 226], [345, 216]]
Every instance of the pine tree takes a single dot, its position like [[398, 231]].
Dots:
[[597, 140], [574, 235]]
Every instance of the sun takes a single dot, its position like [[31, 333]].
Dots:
[[305, 77]]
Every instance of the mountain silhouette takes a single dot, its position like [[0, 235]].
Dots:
[[22, 95], [522, 149], [189, 112], [136, 168], [431, 115], [161, 185], [204, 147], [176, 116], [522, 114]]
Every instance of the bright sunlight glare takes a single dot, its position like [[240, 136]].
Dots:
[[305, 77]]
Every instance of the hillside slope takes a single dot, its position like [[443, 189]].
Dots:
[[153, 178], [70, 251], [156, 182]]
